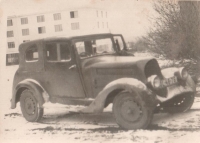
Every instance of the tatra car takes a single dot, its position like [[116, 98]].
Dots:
[[95, 71]]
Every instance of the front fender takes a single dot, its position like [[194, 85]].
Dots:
[[125, 84], [41, 95]]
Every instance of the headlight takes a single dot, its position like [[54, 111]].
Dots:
[[155, 81], [183, 73]]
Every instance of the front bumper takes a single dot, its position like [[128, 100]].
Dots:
[[189, 85]]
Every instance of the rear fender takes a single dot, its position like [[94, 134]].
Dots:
[[41, 95], [124, 84]]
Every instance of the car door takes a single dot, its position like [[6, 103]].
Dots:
[[61, 72]]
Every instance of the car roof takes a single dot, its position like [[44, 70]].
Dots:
[[63, 38], [78, 37]]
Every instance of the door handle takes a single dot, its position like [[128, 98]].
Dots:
[[72, 67]]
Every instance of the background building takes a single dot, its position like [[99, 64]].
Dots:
[[64, 23]]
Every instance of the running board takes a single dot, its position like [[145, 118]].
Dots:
[[72, 101]]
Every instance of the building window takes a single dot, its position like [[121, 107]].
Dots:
[[107, 24], [57, 16], [12, 59], [101, 13], [102, 25], [41, 30], [25, 32], [97, 14], [58, 28], [9, 22], [98, 24], [74, 14], [40, 18], [11, 44], [10, 34], [24, 21], [74, 26]]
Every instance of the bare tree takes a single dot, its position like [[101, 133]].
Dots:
[[176, 33]]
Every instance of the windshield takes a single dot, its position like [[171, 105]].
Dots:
[[93, 47]]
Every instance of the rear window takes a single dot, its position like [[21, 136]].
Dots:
[[32, 54]]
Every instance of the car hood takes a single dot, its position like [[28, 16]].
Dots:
[[115, 62], [101, 70]]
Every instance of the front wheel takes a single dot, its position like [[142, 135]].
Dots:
[[131, 112], [30, 107]]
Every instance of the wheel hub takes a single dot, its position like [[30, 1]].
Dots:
[[131, 111], [29, 106]]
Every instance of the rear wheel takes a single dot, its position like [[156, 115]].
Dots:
[[180, 103], [30, 107], [131, 111]]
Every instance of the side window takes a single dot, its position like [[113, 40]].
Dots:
[[104, 46], [32, 54], [58, 52], [85, 49], [80, 46], [94, 47]]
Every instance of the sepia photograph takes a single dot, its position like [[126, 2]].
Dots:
[[100, 71]]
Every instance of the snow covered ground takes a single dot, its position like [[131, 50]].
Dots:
[[61, 124]]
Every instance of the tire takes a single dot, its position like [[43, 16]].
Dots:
[[30, 107], [181, 103], [131, 112]]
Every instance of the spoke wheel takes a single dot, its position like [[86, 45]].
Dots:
[[180, 103], [131, 112], [30, 107]]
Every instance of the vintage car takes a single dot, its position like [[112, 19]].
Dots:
[[94, 71]]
